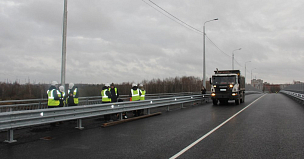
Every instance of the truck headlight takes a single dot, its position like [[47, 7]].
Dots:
[[231, 86], [234, 94], [212, 94]]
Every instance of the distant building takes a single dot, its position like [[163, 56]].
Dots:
[[297, 82], [271, 88], [257, 83]]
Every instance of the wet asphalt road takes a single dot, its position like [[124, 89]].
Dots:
[[272, 127]]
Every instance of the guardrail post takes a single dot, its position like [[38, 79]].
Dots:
[[79, 124], [10, 136], [182, 106], [168, 108], [120, 116], [148, 111]]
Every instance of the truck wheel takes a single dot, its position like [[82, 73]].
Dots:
[[237, 101], [215, 101]]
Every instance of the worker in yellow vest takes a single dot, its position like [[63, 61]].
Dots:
[[135, 96], [73, 94], [105, 94], [106, 98], [53, 96], [142, 92], [61, 96], [134, 93], [142, 96]]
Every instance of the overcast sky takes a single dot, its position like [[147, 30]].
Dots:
[[132, 40]]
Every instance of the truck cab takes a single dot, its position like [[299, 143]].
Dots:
[[227, 85]]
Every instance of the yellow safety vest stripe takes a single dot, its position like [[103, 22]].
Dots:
[[104, 97], [135, 95], [51, 100]]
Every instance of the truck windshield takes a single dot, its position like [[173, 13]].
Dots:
[[223, 79]]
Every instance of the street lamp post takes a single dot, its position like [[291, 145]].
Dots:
[[233, 57], [246, 70], [64, 34], [204, 59]]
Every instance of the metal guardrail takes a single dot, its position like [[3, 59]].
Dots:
[[31, 104], [296, 96], [298, 88], [18, 119]]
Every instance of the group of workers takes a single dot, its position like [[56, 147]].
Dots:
[[109, 94], [57, 97]]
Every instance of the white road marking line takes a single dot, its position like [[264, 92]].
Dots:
[[213, 130]]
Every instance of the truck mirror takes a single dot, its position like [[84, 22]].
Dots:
[[210, 81]]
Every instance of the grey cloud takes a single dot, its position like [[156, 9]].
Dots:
[[120, 41]]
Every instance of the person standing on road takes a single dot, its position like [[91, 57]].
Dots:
[[106, 98], [142, 92], [114, 98], [114, 93], [53, 98], [53, 95], [135, 96], [142, 96], [73, 94]]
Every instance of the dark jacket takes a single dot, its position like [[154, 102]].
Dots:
[[203, 90], [54, 93], [113, 94], [71, 97]]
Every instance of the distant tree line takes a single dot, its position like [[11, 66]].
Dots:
[[16, 91]]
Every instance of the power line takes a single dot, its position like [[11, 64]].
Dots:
[[216, 46], [176, 17], [165, 15], [222, 50], [180, 22]]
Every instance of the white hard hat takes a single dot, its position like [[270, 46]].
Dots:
[[134, 85], [71, 85], [141, 85], [107, 84], [54, 83], [61, 89]]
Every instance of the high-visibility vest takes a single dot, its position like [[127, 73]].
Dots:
[[114, 89], [76, 101], [104, 97], [135, 94], [143, 94], [51, 100]]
